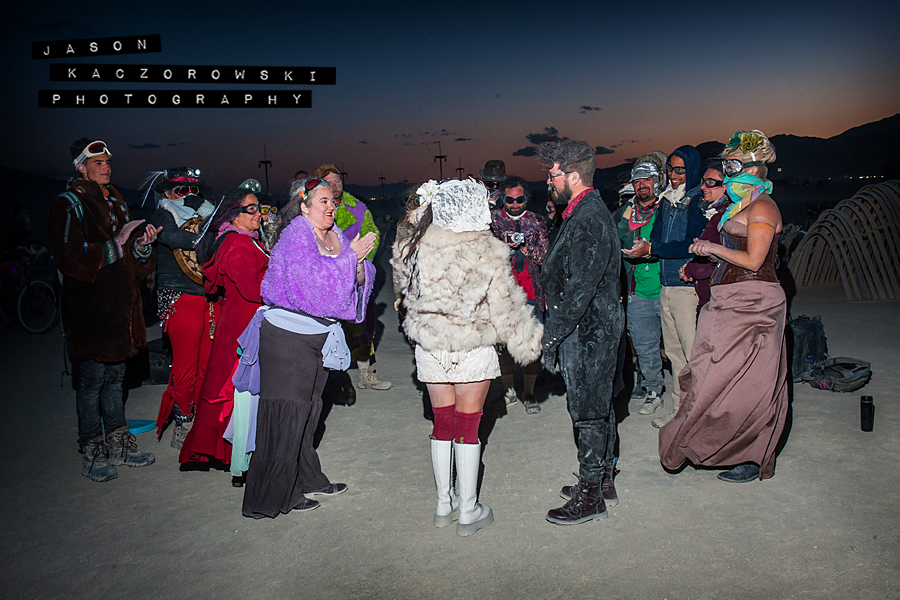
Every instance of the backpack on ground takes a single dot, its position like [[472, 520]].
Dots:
[[810, 346], [841, 374]]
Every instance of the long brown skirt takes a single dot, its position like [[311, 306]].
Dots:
[[734, 396], [291, 379]]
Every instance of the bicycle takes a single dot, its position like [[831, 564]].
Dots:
[[25, 299]]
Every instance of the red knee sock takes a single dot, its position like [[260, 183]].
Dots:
[[466, 427], [443, 423]]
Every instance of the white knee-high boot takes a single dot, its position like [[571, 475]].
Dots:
[[472, 516], [448, 502]]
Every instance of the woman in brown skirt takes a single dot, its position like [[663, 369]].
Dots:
[[735, 395]]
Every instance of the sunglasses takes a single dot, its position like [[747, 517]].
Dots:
[[733, 166], [491, 185], [514, 200], [265, 210], [91, 150], [251, 209], [329, 172], [712, 183], [314, 182], [186, 190], [676, 170]]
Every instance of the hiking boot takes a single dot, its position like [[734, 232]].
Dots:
[[511, 397], [180, 433], [532, 407], [744, 473], [586, 504], [123, 449], [368, 378], [95, 462], [653, 401]]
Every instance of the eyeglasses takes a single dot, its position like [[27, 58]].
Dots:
[[91, 150], [250, 209], [733, 166], [491, 185], [186, 190], [328, 172], [265, 210], [552, 176], [514, 200], [676, 170]]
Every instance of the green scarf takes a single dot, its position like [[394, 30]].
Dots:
[[742, 189]]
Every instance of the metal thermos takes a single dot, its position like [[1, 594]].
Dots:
[[866, 413]]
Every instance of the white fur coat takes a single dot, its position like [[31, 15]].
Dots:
[[463, 295]]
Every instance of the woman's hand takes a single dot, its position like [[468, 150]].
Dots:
[[702, 247], [684, 277], [363, 245]]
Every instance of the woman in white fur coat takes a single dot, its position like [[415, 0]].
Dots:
[[460, 299]]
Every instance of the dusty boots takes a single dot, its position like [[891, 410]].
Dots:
[[123, 449], [586, 504], [448, 503], [180, 434], [607, 488], [472, 516], [368, 378], [95, 463]]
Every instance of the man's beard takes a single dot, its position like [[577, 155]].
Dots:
[[515, 212], [564, 195]]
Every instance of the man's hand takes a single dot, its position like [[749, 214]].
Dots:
[[684, 277], [640, 248]]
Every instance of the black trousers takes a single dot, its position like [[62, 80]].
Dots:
[[589, 368], [285, 463]]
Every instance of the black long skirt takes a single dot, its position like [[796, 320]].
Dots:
[[285, 463]]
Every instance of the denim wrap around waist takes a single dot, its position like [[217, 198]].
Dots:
[[335, 353]]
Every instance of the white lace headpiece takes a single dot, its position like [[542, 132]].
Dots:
[[461, 206]]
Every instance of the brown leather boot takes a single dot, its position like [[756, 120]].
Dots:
[[609, 486], [586, 504]]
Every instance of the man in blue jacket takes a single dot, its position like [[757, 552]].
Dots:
[[679, 221]]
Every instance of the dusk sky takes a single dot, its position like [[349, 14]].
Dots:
[[487, 80]]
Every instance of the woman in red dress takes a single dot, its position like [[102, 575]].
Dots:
[[234, 262]]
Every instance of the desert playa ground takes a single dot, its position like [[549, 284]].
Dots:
[[826, 525]]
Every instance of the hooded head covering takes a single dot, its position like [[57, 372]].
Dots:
[[461, 206], [691, 158]]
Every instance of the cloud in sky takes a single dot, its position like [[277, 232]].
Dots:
[[147, 146], [551, 134], [603, 150], [585, 108], [363, 142], [462, 139], [526, 151]]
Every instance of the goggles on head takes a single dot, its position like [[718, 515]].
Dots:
[[91, 150], [328, 172]]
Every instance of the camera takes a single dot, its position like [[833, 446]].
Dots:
[[515, 237]]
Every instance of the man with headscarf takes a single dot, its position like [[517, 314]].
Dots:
[[680, 220], [584, 324], [354, 218], [635, 221]]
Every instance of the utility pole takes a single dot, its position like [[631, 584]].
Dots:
[[459, 170], [382, 187], [266, 164], [440, 159]]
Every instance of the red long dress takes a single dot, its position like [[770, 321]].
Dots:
[[238, 267]]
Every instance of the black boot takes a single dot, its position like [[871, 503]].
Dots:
[[586, 504], [608, 486]]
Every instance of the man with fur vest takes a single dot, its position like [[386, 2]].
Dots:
[[102, 257], [526, 235], [584, 324], [352, 216]]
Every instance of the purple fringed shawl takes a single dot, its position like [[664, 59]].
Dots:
[[299, 278]]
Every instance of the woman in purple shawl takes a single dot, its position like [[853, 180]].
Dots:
[[316, 277]]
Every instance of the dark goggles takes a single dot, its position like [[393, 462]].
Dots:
[[711, 183], [314, 182], [328, 172], [251, 209], [733, 166], [676, 170], [186, 190]]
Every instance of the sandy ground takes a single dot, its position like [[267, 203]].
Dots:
[[825, 526]]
